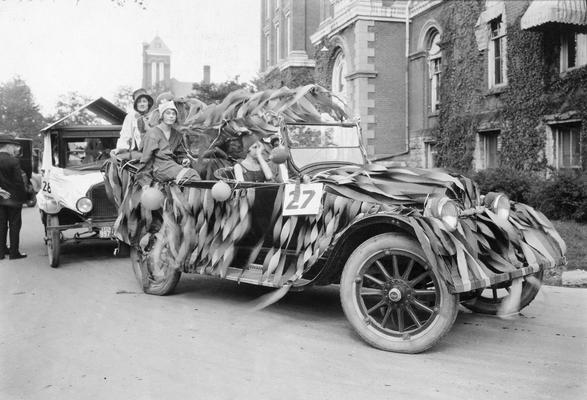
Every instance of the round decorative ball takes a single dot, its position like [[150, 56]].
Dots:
[[221, 191], [152, 199], [279, 155]]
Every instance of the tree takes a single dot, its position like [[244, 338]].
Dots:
[[70, 102], [211, 93], [18, 111], [123, 97]]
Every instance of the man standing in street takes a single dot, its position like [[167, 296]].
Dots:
[[12, 196]]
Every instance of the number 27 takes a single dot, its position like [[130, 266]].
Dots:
[[294, 202]]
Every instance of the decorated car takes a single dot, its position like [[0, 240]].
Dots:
[[405, 245], [72, 197]]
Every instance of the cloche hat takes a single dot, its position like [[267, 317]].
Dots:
[[139, 93]]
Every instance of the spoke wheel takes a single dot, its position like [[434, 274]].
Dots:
[[488, 301], [392, 298], [156, 276], [53, 240]]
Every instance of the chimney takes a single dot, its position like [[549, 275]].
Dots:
[[206, 79]]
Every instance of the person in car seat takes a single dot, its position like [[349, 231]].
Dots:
[[254, 167]]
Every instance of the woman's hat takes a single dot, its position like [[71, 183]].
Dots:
[[167, 105], [139, 93], [249, 140], [164, 97]]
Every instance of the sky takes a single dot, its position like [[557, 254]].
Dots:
[[95, 46]]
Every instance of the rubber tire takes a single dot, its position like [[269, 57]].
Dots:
[[417, 343], [482, 305], [162, 287], [53, 240]]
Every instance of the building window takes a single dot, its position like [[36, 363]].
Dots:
[[497, 53], [267, 50], [161, 72], [339, 72], [567, 146], [573, 52], [489, 149], [278, 43], [434, 65], [288, 34], [430, 152]]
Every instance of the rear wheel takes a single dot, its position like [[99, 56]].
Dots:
[[393, 299], [158, 277], [489, 300], [53, 239]]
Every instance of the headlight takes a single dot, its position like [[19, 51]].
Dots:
[[51, 206], [499, 203], [445, 209], [84, 205]]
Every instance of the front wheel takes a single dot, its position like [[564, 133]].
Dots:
[[158, 277], [53, 240], [392, 297]]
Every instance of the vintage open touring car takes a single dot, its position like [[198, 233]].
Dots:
[[72, 194], [405, 245]]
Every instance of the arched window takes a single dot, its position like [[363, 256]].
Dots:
[[434, 66], [339, 72]]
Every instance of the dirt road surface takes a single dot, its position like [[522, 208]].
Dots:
[[85, 331]]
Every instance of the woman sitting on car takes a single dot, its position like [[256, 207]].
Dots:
[[164, 150], [135, 123]]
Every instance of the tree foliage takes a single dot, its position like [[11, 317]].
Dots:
[[70, 102], [123, 97], [211, 93], [18, 111]]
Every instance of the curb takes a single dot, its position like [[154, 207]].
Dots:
[[574, 278]]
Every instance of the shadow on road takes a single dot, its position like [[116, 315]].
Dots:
[[313, 303]]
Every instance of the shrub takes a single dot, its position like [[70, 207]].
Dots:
[[515, 183], [562, 196]]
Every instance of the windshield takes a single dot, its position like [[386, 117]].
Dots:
[[310, 144], [87, 153]]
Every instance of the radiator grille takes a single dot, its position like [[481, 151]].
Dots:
[[103, 209]]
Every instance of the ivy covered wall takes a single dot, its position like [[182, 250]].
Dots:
[[536, 91], [291, 77]]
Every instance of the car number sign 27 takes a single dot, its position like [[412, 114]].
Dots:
[[302, 199]]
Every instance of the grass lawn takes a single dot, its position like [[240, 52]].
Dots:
[[575, 236]]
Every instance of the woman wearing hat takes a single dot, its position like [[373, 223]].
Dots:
[[135, 123], [163, 151]]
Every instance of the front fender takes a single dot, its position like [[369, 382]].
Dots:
[[347, 240]]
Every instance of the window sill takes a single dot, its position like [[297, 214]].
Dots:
[[496, 90], [433, 114], [563, 74]]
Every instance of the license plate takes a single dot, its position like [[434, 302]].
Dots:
[[105, 232]]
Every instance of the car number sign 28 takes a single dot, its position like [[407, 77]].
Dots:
[[302, 199]]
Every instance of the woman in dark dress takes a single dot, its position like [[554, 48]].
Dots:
[[254, 167], [164, 155]]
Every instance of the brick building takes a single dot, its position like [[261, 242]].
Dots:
[[469, 84]]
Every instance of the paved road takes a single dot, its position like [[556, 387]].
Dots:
[[83, 331]]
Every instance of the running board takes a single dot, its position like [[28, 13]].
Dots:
[[253, 275]]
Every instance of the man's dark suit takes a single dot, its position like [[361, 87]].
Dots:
[[12, 181]]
